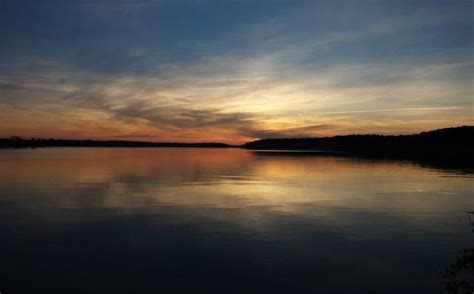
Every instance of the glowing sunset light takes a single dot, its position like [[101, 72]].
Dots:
[[266, 70]]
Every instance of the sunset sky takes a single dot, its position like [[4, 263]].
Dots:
[[233, 71]]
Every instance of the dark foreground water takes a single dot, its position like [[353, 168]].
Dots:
[[225, 220]]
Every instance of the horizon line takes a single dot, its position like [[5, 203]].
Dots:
[[214, 142]]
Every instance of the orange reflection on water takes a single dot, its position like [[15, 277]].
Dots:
[[146, 178]]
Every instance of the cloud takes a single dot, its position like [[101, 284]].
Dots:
[[245, 101], [300, 131], [133, 136], [301, 72]]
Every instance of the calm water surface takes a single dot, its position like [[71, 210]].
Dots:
[[225, 220]]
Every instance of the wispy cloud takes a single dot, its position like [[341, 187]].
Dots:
[[397, 109]]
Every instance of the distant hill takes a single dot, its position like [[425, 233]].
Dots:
[[450, 141], [16, 142]]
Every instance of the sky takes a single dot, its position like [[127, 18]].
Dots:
[[233, 71]]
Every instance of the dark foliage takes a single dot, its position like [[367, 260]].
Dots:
[[446, 147], [16, 142], [459, 277], [459, 140]]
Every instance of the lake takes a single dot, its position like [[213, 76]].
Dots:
[[125, 220]]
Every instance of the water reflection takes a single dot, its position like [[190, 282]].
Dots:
[[225, 219]]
